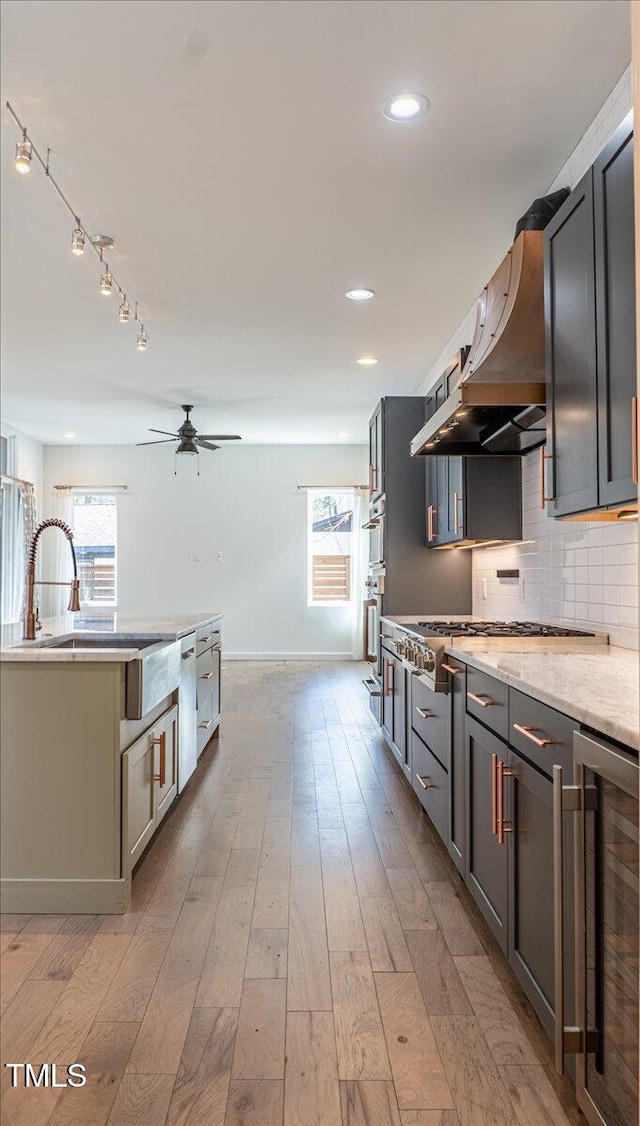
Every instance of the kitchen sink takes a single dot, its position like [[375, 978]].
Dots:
[[102, 643]]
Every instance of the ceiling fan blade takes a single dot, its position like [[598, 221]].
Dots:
[[206, 445], [221, 437], [158, 442], [154, 431]]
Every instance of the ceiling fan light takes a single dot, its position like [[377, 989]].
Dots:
[[187, 446]]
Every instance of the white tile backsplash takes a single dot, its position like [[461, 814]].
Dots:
[[575, 574]]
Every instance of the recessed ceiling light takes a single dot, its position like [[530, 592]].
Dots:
[[367, 361], [343, 433], [359, 294], [68, 434], [404, 107]]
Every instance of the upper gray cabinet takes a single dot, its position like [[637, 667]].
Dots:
[[590, 341]]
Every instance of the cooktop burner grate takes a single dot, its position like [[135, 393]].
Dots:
[[499, 629]]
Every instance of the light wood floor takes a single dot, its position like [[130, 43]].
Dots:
[[299, 950]]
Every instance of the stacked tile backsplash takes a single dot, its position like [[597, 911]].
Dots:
[[583, 575], [575, 574]]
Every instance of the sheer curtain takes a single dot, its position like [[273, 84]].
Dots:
[[360, 560], [17, 523], [54, 561]]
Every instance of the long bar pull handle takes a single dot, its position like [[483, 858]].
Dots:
[[494, 795], [543, 491], [161, 741], [450, 668], [456, 527], [634, 440], [423, 779], [501, 825], [527, 731], [558, 923], [430, 523], [483, 701]]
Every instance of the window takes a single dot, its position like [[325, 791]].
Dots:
[[95, 538], [330, 532]]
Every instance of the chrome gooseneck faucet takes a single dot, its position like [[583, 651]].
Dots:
[[74, 601]]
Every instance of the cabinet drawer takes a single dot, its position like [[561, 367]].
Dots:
[[543, 735], [431, 784], [429, 718], [207, 636], [488, 701]]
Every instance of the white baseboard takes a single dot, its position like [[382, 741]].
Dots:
[[227, 656]]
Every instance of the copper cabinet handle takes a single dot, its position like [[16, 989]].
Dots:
[[634, 440], [425, 713], [484, 702], [370, 478], [558, 922], [388, 678], [201, 640], [450, 668], [206, 676], [527, 730], [543, 497], [502, 826], [189, 653], [161, 741], [206, 724], [424, 782], [494, 795]]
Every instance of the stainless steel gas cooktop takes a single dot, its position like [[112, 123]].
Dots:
[[498, 629]]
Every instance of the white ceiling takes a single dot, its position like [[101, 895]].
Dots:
[[237, 152]]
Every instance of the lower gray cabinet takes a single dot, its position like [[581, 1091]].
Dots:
[[457, 842], [394, 705], [431, 783], [486, 870]]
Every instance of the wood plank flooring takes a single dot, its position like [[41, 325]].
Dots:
[[299, 950]]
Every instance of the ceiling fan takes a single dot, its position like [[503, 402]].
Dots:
[[188, 439]]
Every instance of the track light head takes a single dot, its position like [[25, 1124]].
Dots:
[[124, 312], [106, 283], [77, 241], [143, 339], [23, 154]]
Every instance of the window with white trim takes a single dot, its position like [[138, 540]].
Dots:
[[95, 538], [330, 546]]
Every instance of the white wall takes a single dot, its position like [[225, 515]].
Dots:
[[246, 506]]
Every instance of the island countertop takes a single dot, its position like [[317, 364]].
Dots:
[[596, 685], [164, 627]]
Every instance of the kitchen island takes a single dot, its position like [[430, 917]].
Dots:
[[96, 719]]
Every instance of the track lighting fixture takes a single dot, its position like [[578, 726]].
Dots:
[[80, 240], [106, 283], [23, 154], [77, 239]]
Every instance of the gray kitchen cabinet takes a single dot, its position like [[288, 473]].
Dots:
[[208, 661], [431, 783], [394, 705], [149, 784], [469, 498], [486, 870], [590, 339], [376, 453]]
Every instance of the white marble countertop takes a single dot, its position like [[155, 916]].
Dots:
[[163, 627], [598, 685]]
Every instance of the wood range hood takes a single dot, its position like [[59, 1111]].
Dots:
[[498, 405]]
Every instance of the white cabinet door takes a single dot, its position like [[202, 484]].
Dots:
[[165, 741], [138, 800]]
